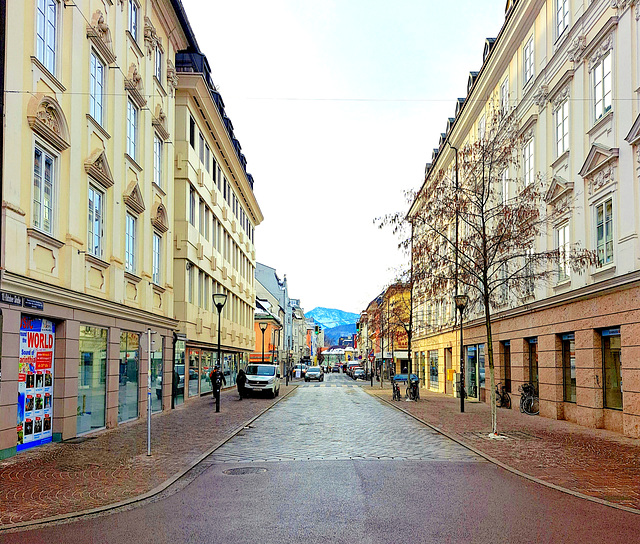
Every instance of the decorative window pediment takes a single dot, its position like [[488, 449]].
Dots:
[[634, 134], [133, 197], [159, 218], [172, 77], [559, 189], [133, 85], [151, 38], [45, 117], [98, 168], [100, 35], [160, 123], [598, 168]]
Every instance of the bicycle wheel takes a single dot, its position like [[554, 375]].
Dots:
[[498, 400], [522, 401], [507, 401], [535, 406]]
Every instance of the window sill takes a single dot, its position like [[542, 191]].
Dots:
[[45, 71], [562, 284], [135, 45], [604, 119], [44, 237], [98, 126], [159, 85], [133, 162], [562, 158], [96, 261], [132, 277], [158, 289], [159, 189], [608, 269]]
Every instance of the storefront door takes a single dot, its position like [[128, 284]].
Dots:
[[92, 379], [128, 376]]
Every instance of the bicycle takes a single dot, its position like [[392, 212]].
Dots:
[[413, 391], [396, 391], [503, 400], [528, 399]]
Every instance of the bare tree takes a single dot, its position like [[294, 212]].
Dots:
[[499, 255]]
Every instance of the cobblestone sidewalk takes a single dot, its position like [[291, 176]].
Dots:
[[113, 466], [593, 462]]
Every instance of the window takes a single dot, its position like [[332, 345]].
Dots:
[[192, 133], [604, 232], [201, 148], [533, 363], [46, 33], [190, 272], [96, 88], [157, 160], [157, 241], [505, 186], [611, 369], [528, 60], [133, 19], [562, 128], [132, 129], [527, 162], [201, 217], [506, 364], [200, 288], [96, 215], [602, 86], [569, 367], [206, 292], [564, 247], [207, 221], [43, 189], [192, 206], [482, 127], [158, 65], [562, 16], [433, 369], [130, 244], [504, 96], [207, 157]]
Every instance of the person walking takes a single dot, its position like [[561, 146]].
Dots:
[[217, 379], [240, 381]]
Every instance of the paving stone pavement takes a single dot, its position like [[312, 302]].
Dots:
[[343, 423], [594, 462]]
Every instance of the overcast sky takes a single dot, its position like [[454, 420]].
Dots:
[[337, 105]]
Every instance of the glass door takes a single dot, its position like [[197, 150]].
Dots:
[[194, 372], [471, 372], [128, 376], [92, 379]]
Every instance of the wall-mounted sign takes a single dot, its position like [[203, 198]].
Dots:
[[33, 304], [19, 300], [10, 298]]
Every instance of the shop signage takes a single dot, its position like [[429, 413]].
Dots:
[[10, 298], [35, 382], [33, 304]]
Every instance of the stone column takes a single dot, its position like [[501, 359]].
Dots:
[[65, 380], [631, 379], [113, 377], [9, 383], [550, 376], [589, 400]]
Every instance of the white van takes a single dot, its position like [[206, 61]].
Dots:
[[263, 378]]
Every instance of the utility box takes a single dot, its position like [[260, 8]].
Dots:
[[456, 385]]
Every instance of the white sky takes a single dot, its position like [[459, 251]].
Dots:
[[337, 105]]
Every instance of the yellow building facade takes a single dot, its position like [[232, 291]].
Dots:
[[569, 71]]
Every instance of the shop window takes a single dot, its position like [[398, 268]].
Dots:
[[177, 381], [533, 363], [433, 369], [569, 367], [207, 367], [194, 371], [128, 376], [506, 365], [612, 369], [92, 379]]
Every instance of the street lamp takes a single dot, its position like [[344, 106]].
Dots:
[[461, 302], [219, 300], [263, 327]]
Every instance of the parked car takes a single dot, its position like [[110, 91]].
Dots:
[[314, 373], [359, 374], [335, 368], [263, 378]]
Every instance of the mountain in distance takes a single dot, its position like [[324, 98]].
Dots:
[[332, 335], [330, 318]]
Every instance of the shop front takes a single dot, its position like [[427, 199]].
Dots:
[[474, 371], [201, 362]]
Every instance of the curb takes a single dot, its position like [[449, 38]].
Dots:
[[73, 516], [506, 467]]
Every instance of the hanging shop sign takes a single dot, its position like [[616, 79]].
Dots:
[[35, 382]]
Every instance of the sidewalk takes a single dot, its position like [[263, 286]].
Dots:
[[592, 462], [112, 466]]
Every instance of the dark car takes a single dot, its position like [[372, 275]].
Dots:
[[335, 368], [402, 378], [359, 374]]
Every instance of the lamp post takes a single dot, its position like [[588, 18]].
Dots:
[[219, 300], [461, 302], [263, 327]]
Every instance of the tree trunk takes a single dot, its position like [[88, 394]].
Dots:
[[492, 379]]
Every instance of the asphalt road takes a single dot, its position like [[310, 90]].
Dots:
[[330, 464]]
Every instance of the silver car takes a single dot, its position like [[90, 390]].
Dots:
[[314, 373]]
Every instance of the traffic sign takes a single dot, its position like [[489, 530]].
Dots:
[[371, 358]]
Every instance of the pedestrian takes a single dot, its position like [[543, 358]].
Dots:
[[217, 379], [240, 381]]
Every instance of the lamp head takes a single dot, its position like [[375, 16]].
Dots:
[[263, 326], [219, 300], [461, 301]]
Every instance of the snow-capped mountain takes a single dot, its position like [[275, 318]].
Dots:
[[330, 318]]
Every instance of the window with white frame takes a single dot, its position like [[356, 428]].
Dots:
[[563, 244], [158, 65], [96, 220], [157, 252], [504, 96], [132, 129], [504, 183], [527, 162], [529, 280], [562, 16], [130, 244], [96, 88], [192, 206], [201, 217], [562, 128], [44, 187], [46, 33], [190, 274], [133, 19], [482, 127], [157, 160], [528, 60], [604, 232], [602, 86]]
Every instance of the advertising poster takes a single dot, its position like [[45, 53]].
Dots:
[[35, 382]]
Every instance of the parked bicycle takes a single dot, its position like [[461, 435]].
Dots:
[[413, 390], [528, 399], [396, 391], [503, 400]]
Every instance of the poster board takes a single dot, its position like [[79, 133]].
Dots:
[[35, 383]]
